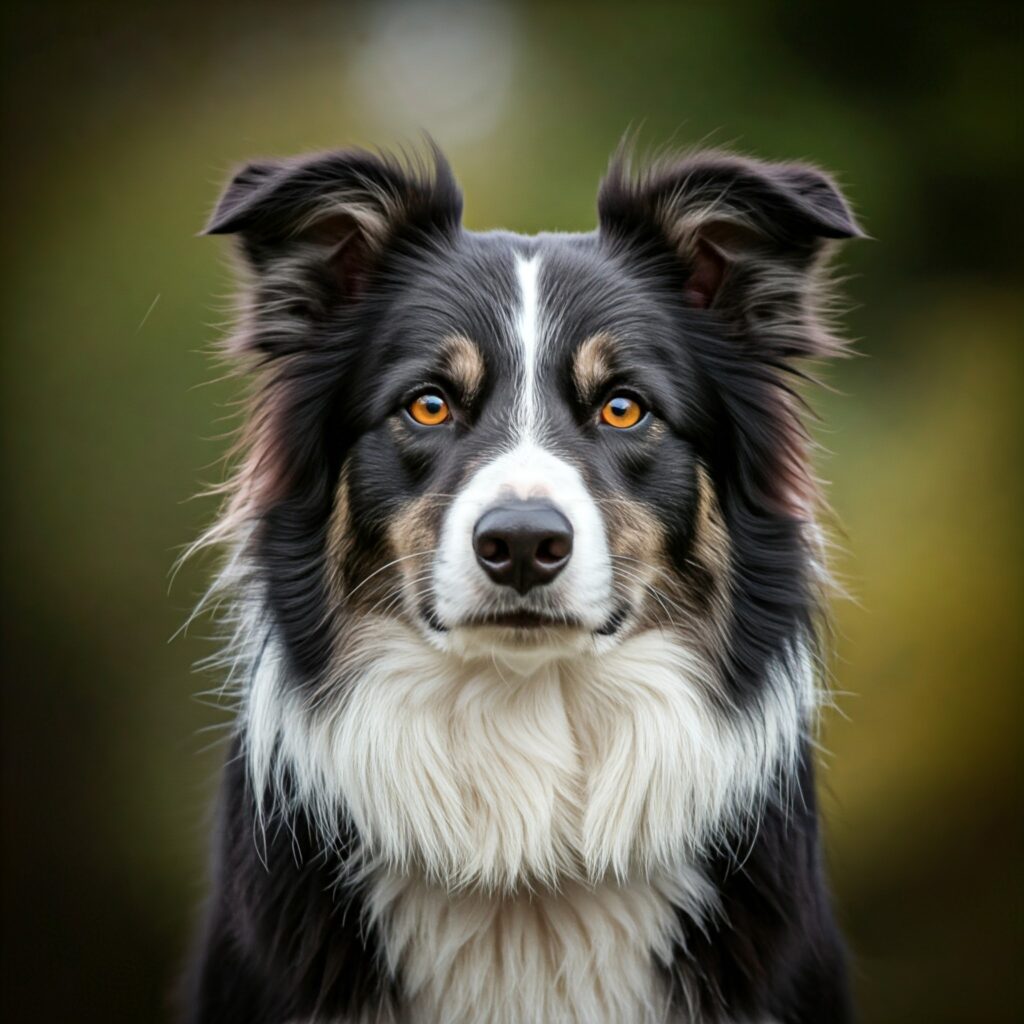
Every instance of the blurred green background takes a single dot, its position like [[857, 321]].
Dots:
[[120, 122]]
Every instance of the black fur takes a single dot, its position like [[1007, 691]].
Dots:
[[285, 938]]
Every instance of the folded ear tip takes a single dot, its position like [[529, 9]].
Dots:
[[239, 195]]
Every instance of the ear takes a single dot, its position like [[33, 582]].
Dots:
[[334, 213], [747, 234]]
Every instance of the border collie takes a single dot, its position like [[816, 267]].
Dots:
[[525, 590]]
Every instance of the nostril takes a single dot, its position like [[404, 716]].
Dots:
[[552, 550], [493, 549]]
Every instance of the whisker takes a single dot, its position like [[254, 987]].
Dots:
[[657, 594], [388, 565]]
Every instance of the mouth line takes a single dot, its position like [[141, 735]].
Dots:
[[525, 620], [522, 620]]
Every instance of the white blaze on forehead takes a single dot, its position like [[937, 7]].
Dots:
[[525, 470], [528, 335]]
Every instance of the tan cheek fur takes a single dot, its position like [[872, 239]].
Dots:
[[371, 581], [339, 538], [360, 580], [695, 604], [390, 580], [413, 539]]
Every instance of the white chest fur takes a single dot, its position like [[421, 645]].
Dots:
[[583, 954], [526, 834]]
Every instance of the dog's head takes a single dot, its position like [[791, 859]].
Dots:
[[531, 447]]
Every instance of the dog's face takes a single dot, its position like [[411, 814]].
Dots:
[[528, 463], [530, 447]]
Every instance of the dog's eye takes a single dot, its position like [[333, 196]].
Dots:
[[621, 412], [429, 409]]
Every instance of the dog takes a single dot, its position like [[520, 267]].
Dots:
[[526, 592]]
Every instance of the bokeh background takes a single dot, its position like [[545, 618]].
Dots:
[[120, 121]]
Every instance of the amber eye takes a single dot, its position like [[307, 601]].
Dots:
[[621, 412], [430, 409]]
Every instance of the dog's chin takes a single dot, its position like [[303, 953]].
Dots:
[[521, 648], [523, 639]]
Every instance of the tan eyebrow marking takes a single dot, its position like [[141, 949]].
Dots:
[[592, 365], [464, 364]]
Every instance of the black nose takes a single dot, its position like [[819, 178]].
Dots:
[[523, 544]]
